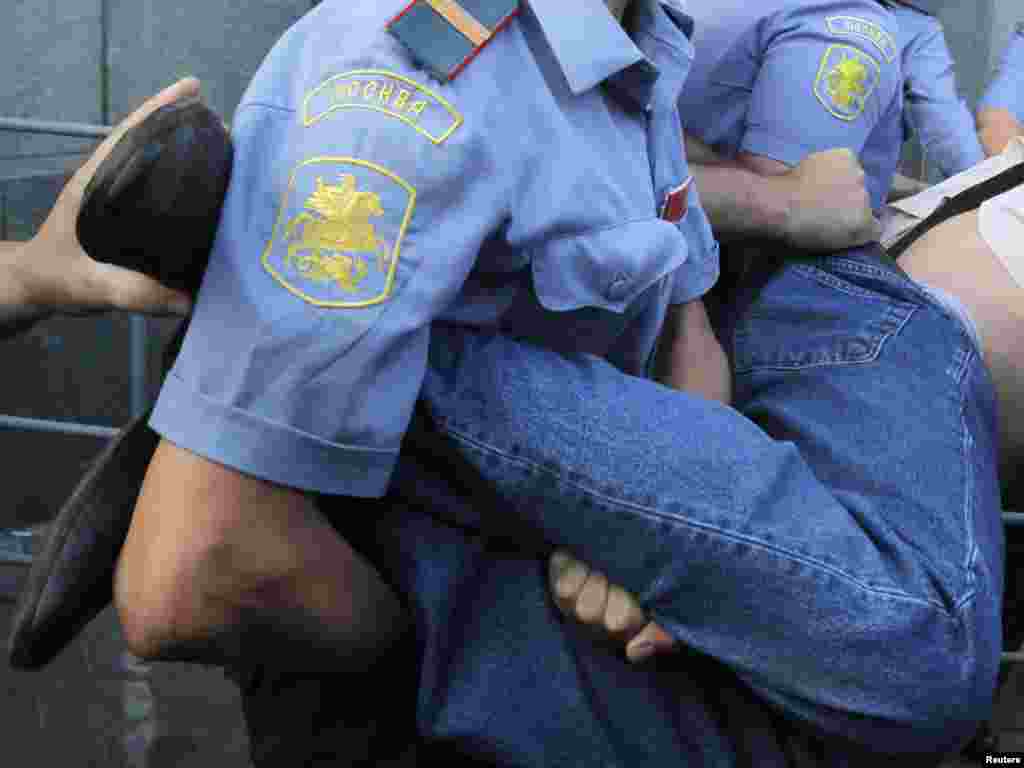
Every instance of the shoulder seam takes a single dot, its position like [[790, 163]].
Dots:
[[266, 105]]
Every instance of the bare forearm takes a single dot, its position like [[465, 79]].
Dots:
[[689, 357], [740, 203], [17, 310], [260, 564]]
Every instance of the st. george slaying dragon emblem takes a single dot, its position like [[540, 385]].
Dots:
[[327, 239], [846, 79], [338, 233]]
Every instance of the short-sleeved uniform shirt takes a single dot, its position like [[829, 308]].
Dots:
[[933, 107], [370, 203], [785, 79], [369, 200], [1006, 89]]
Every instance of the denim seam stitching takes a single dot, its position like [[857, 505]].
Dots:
[[961, 604], [966, 443], [818, 275], [794, 367], [849, 266], [266, 105], [732, 536]]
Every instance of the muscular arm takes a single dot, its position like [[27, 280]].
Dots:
[[932, 106], [248, 543], [821, 204], [739, 202], [17, 311], [689, 356], [1000, 108]]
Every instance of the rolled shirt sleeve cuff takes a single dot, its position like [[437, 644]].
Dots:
[[270, 451], [695, 278], [1003, 92], [760, 142]]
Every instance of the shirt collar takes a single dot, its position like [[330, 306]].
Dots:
[[662, 31], [589, 44]]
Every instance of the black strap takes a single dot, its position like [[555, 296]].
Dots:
[[963, 202]]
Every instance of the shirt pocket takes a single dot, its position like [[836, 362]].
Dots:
[[606, 268], [809, 317]]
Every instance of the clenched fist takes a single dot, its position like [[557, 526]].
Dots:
[[585, 595], [829, 205]]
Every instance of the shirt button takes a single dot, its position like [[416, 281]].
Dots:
[[618, 288]]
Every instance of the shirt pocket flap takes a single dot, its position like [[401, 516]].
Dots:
[[606, 268]]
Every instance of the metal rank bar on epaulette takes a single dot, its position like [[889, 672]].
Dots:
[[445, 35]]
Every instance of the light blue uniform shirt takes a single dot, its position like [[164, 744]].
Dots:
[[1006, 89], [785, 79], [369, 200], [933, 108]]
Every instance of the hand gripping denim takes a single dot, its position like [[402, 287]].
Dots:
[[834, 540]]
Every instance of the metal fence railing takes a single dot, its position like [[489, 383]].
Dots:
[[15, 544], [54, 128], [137, 325]]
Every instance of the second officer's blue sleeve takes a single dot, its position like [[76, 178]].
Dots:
[[1006, 90], [357, 205], [944, 126], [824, 81]]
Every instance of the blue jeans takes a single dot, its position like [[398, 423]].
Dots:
[[829, 552]]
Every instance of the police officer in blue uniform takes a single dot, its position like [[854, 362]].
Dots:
[[933, 107], [1001, 109], [445, 188], [475, 209], [774, 82]]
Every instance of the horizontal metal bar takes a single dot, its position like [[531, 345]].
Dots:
[[16, 546], [1014, 519], [55, 127], [63, 427], [1016, 657]]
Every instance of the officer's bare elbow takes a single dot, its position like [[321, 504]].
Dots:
[[148, 621]]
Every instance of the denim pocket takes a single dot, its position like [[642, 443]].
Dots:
[[809, 316]]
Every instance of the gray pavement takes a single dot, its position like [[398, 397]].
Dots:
[[96, 706]]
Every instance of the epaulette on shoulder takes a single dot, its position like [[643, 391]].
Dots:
[[443, 36], [914, 5]]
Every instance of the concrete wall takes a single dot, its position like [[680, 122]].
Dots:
[[93, 61], [1005, 15], [968, 25]]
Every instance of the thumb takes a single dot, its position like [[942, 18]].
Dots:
[[126, 289], [652, 640]]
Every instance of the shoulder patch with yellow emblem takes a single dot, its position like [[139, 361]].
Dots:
[[338, 234], [389, 93], [846, 79], [853, 26], [445, 35]]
